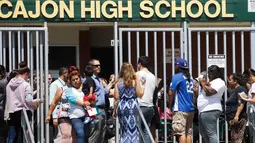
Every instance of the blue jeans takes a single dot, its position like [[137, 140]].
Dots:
[[148, 113], [208, 126], [78, 126]]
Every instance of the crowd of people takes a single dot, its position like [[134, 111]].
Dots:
[[79, 107]]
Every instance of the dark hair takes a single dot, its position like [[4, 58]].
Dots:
[[62, 71], [2, 71], [240, 79], [214, 70], [23, 68], [72, 71], [144, 61], [88, 70], [248, 72], [13, 74], [185, 72]]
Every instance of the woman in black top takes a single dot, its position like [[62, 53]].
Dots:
[[235, 108]]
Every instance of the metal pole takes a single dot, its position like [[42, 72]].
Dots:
[[242, 50], [137, 46], [22, 47], [10, 51], [164, 78], [1, 48], [19, 51], [13, 51], [173, 50], [225, 76], [46, 52], [129, 47], [38, 84], [146, 44], [116, 72], [28, 44], [190, 51], [4, 51], [252, 37], [185, 39], [155, 55], [234, 51], [120, 48]]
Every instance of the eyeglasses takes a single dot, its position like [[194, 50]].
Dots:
[[96, 65]]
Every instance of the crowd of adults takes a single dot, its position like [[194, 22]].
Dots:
[[79, 107]]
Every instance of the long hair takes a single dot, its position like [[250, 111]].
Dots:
[[185, 72], [215, 72], [127, 73]]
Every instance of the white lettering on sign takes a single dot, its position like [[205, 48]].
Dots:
[[177, 54], [218, 60], [251, 5]]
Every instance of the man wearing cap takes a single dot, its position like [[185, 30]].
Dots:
[[181, 102]]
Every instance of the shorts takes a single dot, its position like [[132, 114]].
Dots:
[[182, 123]]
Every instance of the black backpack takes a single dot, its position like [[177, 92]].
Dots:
[[2, 102]]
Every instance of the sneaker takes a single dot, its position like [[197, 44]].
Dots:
[[87, 120]]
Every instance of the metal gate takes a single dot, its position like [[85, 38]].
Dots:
[[29, 44], [194, 44], [231, 42], [136, 42]]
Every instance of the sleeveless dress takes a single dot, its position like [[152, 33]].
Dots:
[[127, 114]]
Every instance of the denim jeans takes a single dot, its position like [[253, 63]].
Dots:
[[208, 126], [148, 113], [78, 126]]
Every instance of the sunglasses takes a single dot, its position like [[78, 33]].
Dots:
[[96, 65], [75, 79]]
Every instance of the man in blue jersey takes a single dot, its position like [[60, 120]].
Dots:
[[181, 102]]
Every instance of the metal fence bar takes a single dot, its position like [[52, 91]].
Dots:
[[164, 78], [38, 83], [22, 47], [10, 50], [46, 51], [242, 50], [182, 43], [116, 73], [129, 47], [13, 51], [216, 42], [173, 50], [28, 47], [225, 76], [4, 50], [144, 122], [185, 39], [146, 44], [41, 89], [190, 52], [120, 49], [198, 53], [155, 55], [19, 51], [234, 51], [25, 117], [1, 47], [137, 45]]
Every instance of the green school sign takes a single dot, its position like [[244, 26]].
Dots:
[[126, 10]]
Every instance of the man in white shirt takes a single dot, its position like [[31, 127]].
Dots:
[[60, 82], [146, 101]]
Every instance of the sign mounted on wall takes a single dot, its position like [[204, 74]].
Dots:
[[129, 10], [218, 60]]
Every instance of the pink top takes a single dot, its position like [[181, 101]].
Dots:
[[19, 95]]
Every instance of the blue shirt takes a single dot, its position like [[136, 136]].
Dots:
[[100, 91], [183, 88]]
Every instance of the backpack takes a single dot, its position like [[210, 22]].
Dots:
[[2, 101]]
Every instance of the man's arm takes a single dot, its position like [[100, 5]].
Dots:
[[171, 96]]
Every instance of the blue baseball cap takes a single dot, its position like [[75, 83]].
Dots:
[[181, 63]]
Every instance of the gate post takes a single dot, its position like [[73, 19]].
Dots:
[[185, 39], [252, 45]]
